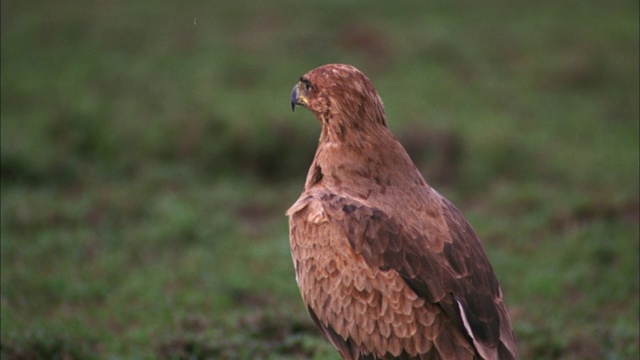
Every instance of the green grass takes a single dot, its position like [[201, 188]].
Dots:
[[149, 155]]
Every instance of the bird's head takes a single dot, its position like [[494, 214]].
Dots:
[[339, 95]]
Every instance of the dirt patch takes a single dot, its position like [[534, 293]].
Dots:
[[33, 347]]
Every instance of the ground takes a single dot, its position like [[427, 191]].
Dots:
[[149, 154]]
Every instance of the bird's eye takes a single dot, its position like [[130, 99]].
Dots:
[[307, 84]]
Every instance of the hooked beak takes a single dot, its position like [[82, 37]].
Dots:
[[294, 97], [298, 96]]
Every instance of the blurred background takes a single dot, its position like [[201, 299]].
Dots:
[[149, 154]]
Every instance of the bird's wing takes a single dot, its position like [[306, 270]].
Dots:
[[456, 274], [365, 311]]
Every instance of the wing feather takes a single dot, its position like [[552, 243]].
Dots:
[[459, 273]]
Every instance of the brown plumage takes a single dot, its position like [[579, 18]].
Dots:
[[388, 268]]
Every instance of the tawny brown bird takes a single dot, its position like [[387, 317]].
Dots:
[[387, 267]]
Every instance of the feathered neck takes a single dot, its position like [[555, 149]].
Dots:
[[360, 161], [345, 119]]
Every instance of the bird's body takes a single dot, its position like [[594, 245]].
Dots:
[[388, 268]]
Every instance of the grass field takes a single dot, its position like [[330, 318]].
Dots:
[[149, 154]]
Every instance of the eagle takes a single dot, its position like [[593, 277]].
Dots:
[[387, 267]]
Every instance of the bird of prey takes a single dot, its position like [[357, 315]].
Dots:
[[387, 267]]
